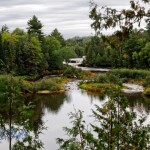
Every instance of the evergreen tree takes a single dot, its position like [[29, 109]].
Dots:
[[4, 28], [35, 28], [29, 56], [55, 33], [115, 128]]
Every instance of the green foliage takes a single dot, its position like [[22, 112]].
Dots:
[[105, 17], [96, 87], [101, 79], [19, 32], [55, 33], [72, 72], [130, 73], [128, 45], [16, 116], [78, 126], [5, 81], [115, 127], [145, 55], [29, 57], [66, 53], [78, 45], [54, 84], [147, 81], [35, 28], [147, 91], [50, 49], [108, 78]]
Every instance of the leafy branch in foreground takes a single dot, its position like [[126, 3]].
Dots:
[[116, 127], [105, 17]]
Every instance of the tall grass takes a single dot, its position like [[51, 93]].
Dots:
[[72, 72], [130, 73]]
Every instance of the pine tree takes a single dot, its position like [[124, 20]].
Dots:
[[35, 28]]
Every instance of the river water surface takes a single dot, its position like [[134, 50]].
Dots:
[[52, 111]]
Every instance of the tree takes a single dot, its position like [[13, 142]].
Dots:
[[133, 44], [50, 46], [97, 53], [4, 28], [148, 31], [105, 17], [29, 56], [35, 28], [66, 53], [126, 43], [55, 33], [115, 128], [8, 51], [16, 116], [19, 32], [145, 55]]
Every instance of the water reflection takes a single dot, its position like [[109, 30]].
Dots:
[[51, 102], [32, 113], [139, 102], [93, 96], [16, 125]]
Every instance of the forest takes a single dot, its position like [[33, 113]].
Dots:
[[29, 59], [32, 52]]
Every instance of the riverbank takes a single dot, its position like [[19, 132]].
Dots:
[[127, 79], [45, 85], [130, 81]]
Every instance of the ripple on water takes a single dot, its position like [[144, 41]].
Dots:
[[72, 85], [133, 88]]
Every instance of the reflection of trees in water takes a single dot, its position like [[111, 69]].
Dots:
[[94, 95], [25, 119], [136, 100], [51, 102], [16, 123], [141, 103]]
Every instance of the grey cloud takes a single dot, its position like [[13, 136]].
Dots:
[[70, 17]]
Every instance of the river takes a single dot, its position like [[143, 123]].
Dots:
[[52, 111]]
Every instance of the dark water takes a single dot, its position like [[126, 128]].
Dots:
[[52, 111]]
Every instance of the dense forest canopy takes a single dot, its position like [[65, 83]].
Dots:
[[33, 52]]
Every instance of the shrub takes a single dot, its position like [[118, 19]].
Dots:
[[50, 84], [6, 80], [72, 72], [147, 81], [147, 91], [108, 78], [130, 73], [114, 79], [101, 79]]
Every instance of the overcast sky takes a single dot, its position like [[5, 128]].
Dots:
[[71, 17]]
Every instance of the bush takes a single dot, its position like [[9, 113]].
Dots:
[[130, 73], [6, 80], [147, 81], [147, 91], [51, 84], [101, 79], [108, 78], [72, 72], [114, 79]]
